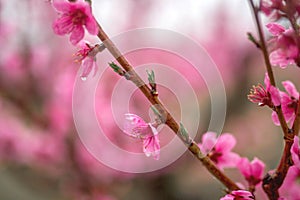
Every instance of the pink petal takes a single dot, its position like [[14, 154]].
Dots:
[[228, 197], [87, 65], [295, 151], [91, 25], [61, 5], [83, 44], [63, 25], [275, 95], [291, 89], [288, 112], [208, 142], [242, 195], [267, 82], [265, 7], [238, 195], [151, 146], [257, 168], [225, 143], [135, 126], [275, 118], [77, 35], [275, 29], [279, 57], [229, 159], [244, 167], [292, 51]]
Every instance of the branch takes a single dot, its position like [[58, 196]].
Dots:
[[264, 50], [170, 121], [272, 182], [296, 125]]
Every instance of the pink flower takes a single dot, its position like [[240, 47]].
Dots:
[[238, 195], [253, 172], [270, 6], [284, 47], [291, 187], [74, 15], [136, 127], [219, 149], [269, 96], [295, 151], [289, 103], [87, 56]]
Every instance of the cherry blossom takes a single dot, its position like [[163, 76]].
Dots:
[[289, 102], [74, 15], [87, 56], [238, 195], [269, 96], [252, 171], [136, 127], [295, 151], [291, 187], [270, 6], [284, 50], [219, 149]]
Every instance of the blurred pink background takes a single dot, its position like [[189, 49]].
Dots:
[[41, 156]]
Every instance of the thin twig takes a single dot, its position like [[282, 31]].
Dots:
[[296, 125], [170, 121]]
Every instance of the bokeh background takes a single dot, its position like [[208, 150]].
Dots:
[[41, 156]]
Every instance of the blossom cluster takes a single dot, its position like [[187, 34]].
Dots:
[[284, 44], [75, 18], [273, 97]]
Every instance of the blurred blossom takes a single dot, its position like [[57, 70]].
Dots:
[[38, 74], [12, 66]]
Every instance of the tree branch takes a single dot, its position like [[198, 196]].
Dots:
[[272, 182], [170, 121], [264, 50]]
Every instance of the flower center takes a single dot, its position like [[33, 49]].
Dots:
[[78, 17], [214, 156]]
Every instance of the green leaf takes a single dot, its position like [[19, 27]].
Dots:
[[151, 77], [253, 39], [115, 67]]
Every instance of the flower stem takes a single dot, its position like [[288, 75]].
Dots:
[[296, 125], [170, 121]]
